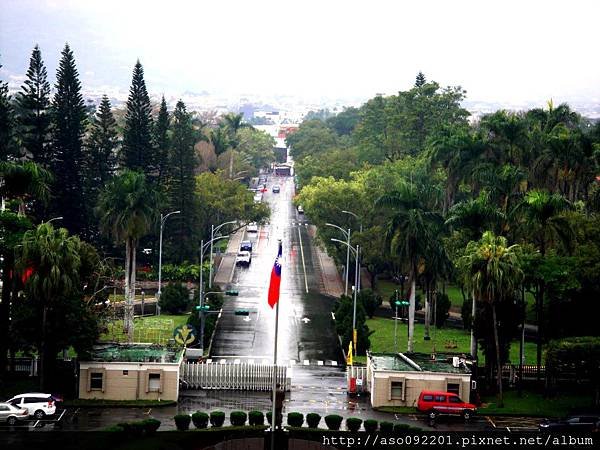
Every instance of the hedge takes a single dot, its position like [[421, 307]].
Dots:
[[238, 418], [313, 419], [256, 418], [295, 419], [182, 421], [200, 419], [217, 418], [333, 421], [386, 427], [370, 425], [353, 424]]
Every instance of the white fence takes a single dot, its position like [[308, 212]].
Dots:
[[243, 377], [24, 365]]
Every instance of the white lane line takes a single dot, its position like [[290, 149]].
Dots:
[[303, 265]]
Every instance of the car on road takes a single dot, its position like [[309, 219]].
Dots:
[[243, 258], [300, 209], [12, 414], [584, 422], [246, 246], [435, 403], [276, 189], [252, 227], [37, 404]]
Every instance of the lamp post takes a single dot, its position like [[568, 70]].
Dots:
[[163, 219], [360, 230], [347, 235], [356, 252], [55, 218], [213, 230], [203, 247]]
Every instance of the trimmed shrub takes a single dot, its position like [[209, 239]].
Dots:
[[313, 419], [256, 418], [353, 424], [401, 428], [182, 421], [386, 427], [200, 419], [175, 298], [217, 418], [333, 421], [114, 429], [238, 418], [370, 425], [151, 425], [295, 419], [279, 418]]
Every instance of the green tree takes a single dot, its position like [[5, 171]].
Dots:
[[161, 142], [24, 181], [420, 80], [7, 124], [257, 147], [68, 125], [492, 271], [344, 122], [128, 208], [138, 151], [410, 233], [33, 102], [182, 161], [102, 149], [312, 138], [53, 256]]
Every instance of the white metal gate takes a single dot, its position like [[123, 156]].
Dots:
[[359, 374], [243, 377]]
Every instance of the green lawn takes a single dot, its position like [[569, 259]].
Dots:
[[534, 404], [444, 339], [154, 329]]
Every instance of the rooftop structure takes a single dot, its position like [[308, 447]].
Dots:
[[135, 353]]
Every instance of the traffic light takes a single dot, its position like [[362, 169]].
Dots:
[[242, 312], [200, 308], [232, 293]]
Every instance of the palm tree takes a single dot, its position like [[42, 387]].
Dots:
[[128, 208], [50, 259], [410, 234], [492, 271], [232, 124], [24, 181], [475, 216], [543, 222]]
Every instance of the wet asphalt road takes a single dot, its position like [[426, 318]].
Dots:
[[305, 324]]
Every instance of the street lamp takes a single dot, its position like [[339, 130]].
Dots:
[[356, 252], [347, 234], [213, 230], [360, 230], [163, 219], [55, 218], [203, 247]]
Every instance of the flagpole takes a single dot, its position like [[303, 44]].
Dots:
[[273, 412]]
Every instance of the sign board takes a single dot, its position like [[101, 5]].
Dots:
[[359, 381], [184, 334]]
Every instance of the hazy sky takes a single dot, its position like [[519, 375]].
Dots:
[[497, 50]]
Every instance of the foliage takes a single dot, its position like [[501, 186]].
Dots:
[[238, 418], [386, 427], [182, 421], [175, 298], [256, 418], [295, 419], [217, 418], [400, 428], [370, 301], [333, 421], [343, 324], [151, 425], [442, 308], [313, 419], [370, 425], [353, 424]]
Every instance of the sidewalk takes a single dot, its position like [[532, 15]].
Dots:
[[332, 281], [224, 271]]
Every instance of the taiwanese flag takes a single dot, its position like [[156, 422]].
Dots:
[[275, 280]]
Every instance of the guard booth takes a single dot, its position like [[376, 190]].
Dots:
[[357, 379]]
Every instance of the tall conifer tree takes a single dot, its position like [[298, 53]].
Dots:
[[68, 120], [33, 102], [102, 146], [420, 80], [182, 184], [161, 142], [137, 140], [7, 146]]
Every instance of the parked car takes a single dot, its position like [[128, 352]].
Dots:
[[243, 258], [276, 189], [300, 209], [12, 414], [435, 403], [572, 423], [246, 246], [37, 404], [252, 227]]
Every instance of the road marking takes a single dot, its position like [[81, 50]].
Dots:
[[292, 362], [303, 265], [334, 363], [319, 363], [250, 361], [306, 362], [305, 320], [236, 361], [222, 361], [208, 361]]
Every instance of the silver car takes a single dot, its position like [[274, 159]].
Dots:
[[11, 414]]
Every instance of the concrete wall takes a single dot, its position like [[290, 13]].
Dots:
[[413, 384], [129, 381]]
